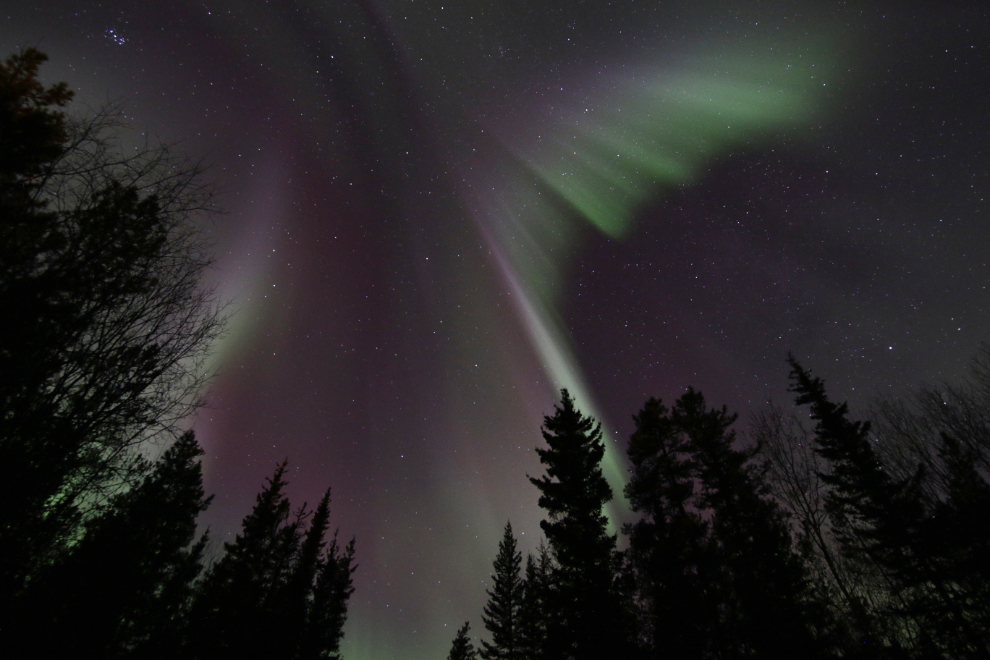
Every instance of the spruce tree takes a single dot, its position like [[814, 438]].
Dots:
[[760, 573], [533, 614], [124, 589], [712, 560], [932, 554], [502, 613], [278, 590], [462, 648], [300, 581], [239, 605], [670, 558], [328, 609], [317, 591], [587, 619]]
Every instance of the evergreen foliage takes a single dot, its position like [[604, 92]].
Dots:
[[587, 621], [502, 612], [462, 648], [105, 331], [712, 559], [34, 136], [277, 589], [324, 571], [124, 589], [106, 323], [533, 612], [933, 554], [670, 559]]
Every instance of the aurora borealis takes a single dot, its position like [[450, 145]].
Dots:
[[438, 215]]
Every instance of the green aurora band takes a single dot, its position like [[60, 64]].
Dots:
[[608, 157]]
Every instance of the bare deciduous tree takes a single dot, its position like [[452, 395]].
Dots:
[[107, 322]]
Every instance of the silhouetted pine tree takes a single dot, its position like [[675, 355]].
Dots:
[[762, 574], [34, 136], [275, 592], [124, 589], [300, 581], [462, 648], [670, 556], [501, 615], [328, 608], [715, 567], [318, 590], [934, 555], [237, 613], [535, 599], [588, 620]]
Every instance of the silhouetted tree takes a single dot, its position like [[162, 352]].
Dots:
[[755, 551], [300, 581], [238, 610], [671, 559], [277, 590], [713, 558], [933, 555], [587, 619], [34, 136], [317, 591], [106, 330], [501, 615], [124, 589], [854, 591], [535, 599], [462, 648], [328, 608], [106, 323]]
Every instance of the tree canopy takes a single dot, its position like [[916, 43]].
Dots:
[[582, 594], [835, 539], [107, 324], [501, 617]]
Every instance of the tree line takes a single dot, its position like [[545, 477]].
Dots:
[[820, 536], [106, 327], [834, 539]]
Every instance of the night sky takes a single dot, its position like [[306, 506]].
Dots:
[[437, 215]]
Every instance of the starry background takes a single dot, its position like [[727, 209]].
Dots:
[[440, 212]]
